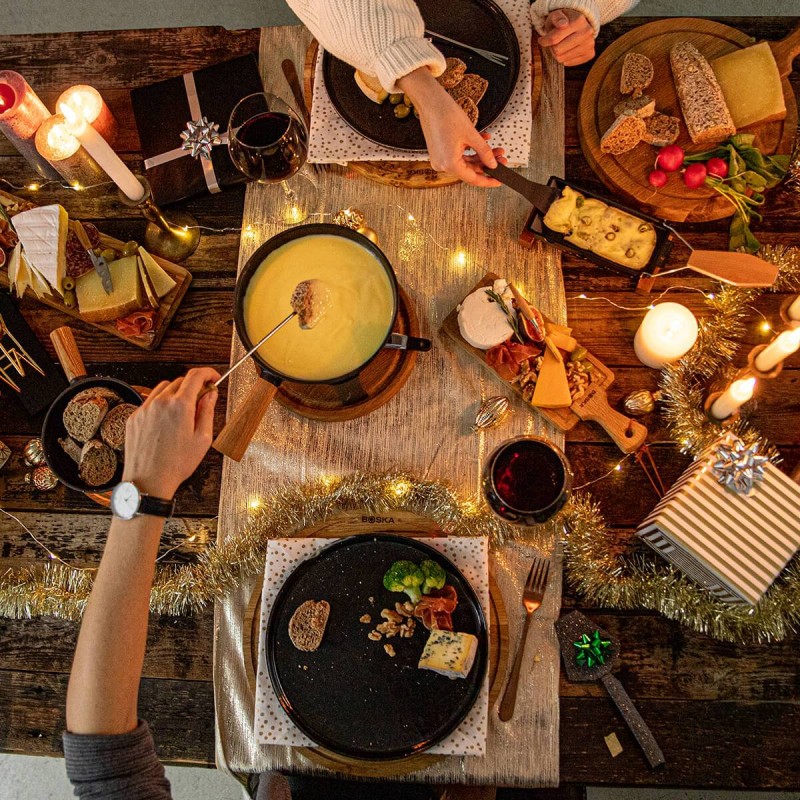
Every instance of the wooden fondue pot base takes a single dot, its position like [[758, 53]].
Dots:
[[375, 386]]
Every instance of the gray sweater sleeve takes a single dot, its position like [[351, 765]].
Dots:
[[115, 767]]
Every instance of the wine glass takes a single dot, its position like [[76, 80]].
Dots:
[[268, 143]]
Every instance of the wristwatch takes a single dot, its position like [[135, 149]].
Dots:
[[128, 502]]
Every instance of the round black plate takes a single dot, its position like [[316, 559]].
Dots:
[[480, 23], [349, 695]]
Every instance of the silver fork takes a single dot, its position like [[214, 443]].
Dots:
[[532, 600], [496, 58]]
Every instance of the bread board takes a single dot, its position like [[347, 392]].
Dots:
[[627, 434], [168, 305], [626, 174]]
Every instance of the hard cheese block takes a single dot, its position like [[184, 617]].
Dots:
[[751, 83], [95, 305], [449, 653], [43, 233], [159, 279], [552, 387]]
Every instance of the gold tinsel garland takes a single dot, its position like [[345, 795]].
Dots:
[[626, 574], [61, 591]]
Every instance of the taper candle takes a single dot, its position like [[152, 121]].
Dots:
[[667, 332], [55, 143], [21, 114], [793, 312], [89, 103], [733, 398], [775, 352], [101, 151]]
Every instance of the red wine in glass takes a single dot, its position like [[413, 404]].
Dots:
[[527, 480], [269, 147]]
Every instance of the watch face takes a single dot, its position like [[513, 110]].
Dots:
[[125, 500]]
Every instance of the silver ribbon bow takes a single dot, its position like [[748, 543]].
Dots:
[[200, 136], [738, 465]]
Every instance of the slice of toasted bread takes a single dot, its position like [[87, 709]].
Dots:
[[472, 86], [83, 415], [624, 134], [469, 108], [661, 130], [641, 106], [112, 429], [453, 73], [71, 448], [307, 625], [99, 391], [98, 463], [637, 74]]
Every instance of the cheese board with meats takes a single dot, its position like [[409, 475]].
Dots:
[[112, 285], [539, 360]]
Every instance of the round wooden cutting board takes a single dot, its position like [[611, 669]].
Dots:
[[626, 174]]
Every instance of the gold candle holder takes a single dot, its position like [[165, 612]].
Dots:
[[172, 234], [89, 103], [723, 423], [752, 369], [65, 154]]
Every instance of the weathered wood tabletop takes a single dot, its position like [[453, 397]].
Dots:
[[725, 716]]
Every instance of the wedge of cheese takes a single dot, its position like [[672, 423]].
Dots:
[[94, 305], [161, 282], [552, 387], [449, 653], [43, 233], [562, 341]]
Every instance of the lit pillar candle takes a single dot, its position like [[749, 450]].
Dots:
[[55, 143], [666, 333], [793, 312], [775, 352], [21, 114], [101, 151], [733, 398], [89, 104]]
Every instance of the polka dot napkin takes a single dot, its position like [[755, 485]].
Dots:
[[272, 726], [332, 140]]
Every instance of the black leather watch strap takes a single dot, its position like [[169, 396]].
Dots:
[[156, 506]]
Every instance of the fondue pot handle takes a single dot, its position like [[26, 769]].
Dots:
[[399, 341], [69, 356], [234, 439]]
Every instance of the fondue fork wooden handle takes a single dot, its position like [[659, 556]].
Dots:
[[234, 439], [69, 356], [785, 51], [627, 434]]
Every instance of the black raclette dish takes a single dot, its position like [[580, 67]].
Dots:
[[536, 229]]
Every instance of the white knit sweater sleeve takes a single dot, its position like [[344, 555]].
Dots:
[[379, 37], [598, 12]]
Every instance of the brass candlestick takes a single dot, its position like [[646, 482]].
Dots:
[[727, 421], [752, 369], [172, 234]]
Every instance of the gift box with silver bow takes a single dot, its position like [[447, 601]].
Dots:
[[183, 125], [731, 522]]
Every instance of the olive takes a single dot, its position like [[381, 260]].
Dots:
[[630, 252], [644, 227], [416, 112], [394, 99], [587, 366], [68, 283], [70, 301], [130, 248], [109, 255], [97, 250], [578, 353], [402, 111], [407, 100], [611, 236], [586, 220]]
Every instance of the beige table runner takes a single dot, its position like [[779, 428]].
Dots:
[[424, 429]]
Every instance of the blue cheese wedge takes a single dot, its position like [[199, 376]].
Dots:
[[449, 653], [481, 321], [43, 234]]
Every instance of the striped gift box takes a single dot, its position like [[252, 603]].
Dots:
[[734, 545]]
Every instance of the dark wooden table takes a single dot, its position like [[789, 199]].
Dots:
[[726, 716]]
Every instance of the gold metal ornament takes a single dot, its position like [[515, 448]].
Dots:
[[5, 454], [33, 453], [492, 412], [369, 233], [43, 479], [641, 402], [349, 218]]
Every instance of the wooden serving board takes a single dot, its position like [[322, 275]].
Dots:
[[626, 174], [415, 174], [167, 308], [627, 434], [404, 523]]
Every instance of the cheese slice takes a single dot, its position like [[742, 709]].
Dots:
[[551, 327], [562, 341], [147, 284], [552, 387], [751, 83], [43, 233], [449, 653], [94, 305], [161, 282]]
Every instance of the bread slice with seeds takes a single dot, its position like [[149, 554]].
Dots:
[[71, 448], [83, 415], [109, 395], [98, 463], [637, 74], [661, 130], [472, 86], [453, 74], [641, 106], [624, 134], [307, 625], [469, 108], [112, 429]]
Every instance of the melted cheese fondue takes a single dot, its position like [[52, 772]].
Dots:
[[358, 315]]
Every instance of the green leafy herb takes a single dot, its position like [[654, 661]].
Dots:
[[510, 315]]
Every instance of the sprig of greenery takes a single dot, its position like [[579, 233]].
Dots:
[[510, 315]]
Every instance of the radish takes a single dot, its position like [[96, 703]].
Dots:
[[695, 175], [657, 178], [718, 167], [670, 158]]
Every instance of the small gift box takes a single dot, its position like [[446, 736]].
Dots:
[[197, 105], [729, 523]]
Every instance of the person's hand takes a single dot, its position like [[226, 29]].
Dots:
[[167, 437], [569, 35], [448, 131]]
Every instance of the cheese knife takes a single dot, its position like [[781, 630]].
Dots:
[[98, 262]]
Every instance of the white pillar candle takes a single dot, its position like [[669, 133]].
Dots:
[[775, 352], [793, 311], [733, 398], [55, 143], [667, 332], [89, 104], [100, 150]]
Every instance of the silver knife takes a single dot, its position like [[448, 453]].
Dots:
[[99, 263]]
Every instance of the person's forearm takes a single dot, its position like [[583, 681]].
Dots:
[[104, 684]]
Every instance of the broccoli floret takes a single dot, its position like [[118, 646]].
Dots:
[[405, 576], [435, 576]]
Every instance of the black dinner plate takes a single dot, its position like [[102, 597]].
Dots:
[[480, 23], [349, 696]]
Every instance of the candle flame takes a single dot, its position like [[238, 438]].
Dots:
[[742, 390]]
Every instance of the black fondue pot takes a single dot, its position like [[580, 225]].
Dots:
[[235, 437]]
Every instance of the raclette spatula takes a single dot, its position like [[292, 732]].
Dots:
[[570, 629]]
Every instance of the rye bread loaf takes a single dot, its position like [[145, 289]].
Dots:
[[661, 130], [454, 72], [71, 448], [472, 86], [109, 395], [637, 74], [624, 134], [702, 101], [112, 429], [469, 107], [641, 106], [307, 625], [83, 415], [98, 463]]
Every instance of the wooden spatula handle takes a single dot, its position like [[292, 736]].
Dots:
[[234, 439], [633, 719], [627, 434], [69, 356], [786, 50]]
